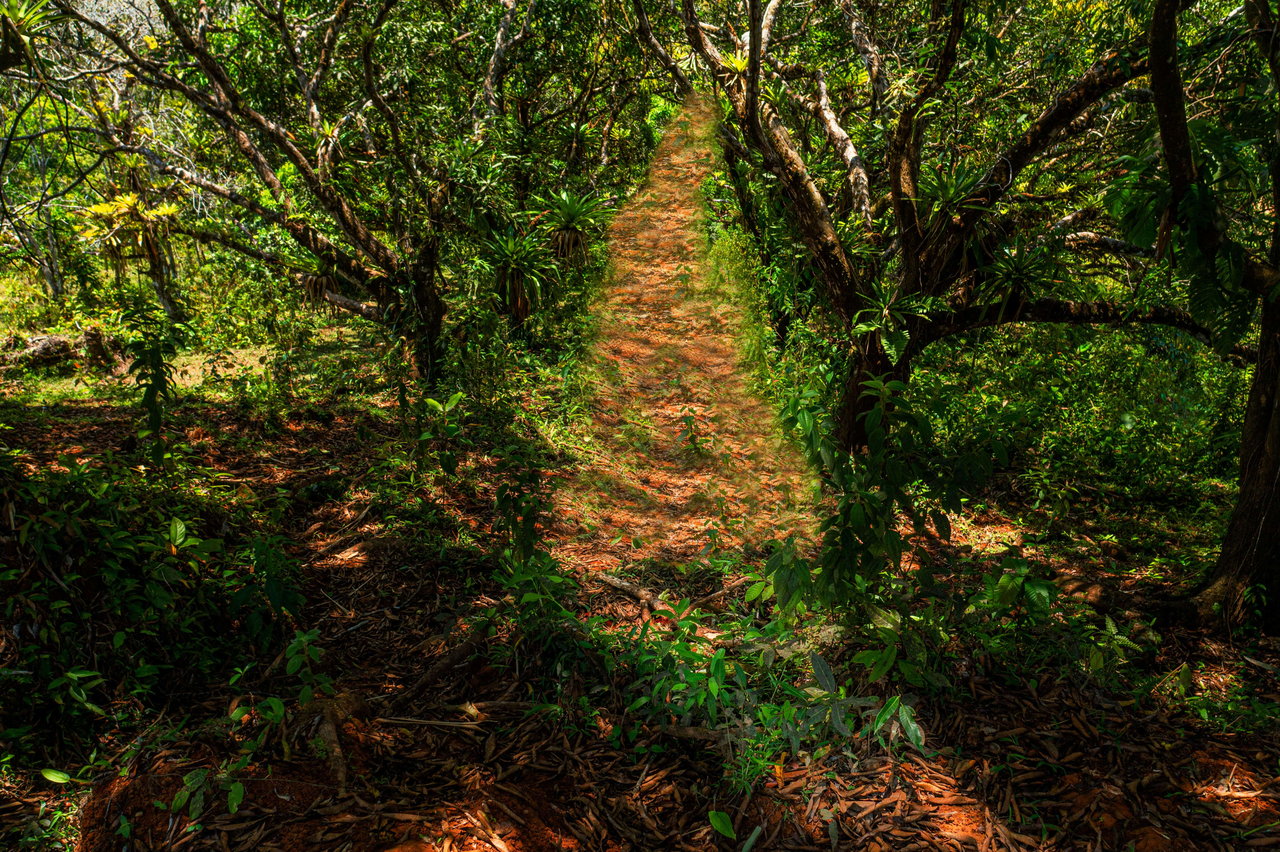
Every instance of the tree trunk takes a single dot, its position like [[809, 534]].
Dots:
[[51, 272], [1250, 557], [160, 272], [867, 363], [424, 337], [51, 261]]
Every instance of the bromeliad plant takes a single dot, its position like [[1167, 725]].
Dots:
[[21, 21], [573, 220], [523, 271]]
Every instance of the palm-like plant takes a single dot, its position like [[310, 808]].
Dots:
[[523, 270], [571, 220], [20, 22]]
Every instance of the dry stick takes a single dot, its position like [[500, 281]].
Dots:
[[742, 811], [519, 820], [330, 548], [450, 660], [406, 722], [646, 597], [328, 733], [484, 833], [650, 599], [701, 602]]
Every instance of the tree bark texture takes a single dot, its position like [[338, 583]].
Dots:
[[1250, 557]]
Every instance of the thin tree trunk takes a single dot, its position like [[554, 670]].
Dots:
[[160, 271], [1250, 557], [51, 261], [425, 336]]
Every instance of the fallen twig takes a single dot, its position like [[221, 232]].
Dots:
[[647, 598], [718, 593]]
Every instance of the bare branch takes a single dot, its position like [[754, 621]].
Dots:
[[870, 53], [645, 31], [1112, 71], [1066, 312], [503, 43], [1091, 241]]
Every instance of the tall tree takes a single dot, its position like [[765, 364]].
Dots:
[[361, 147], [1235, 261], [949, 168]]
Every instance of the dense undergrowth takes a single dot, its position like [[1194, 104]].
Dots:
[[1103, 450], [156, 568]]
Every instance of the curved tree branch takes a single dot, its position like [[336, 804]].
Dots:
[[939, 326]]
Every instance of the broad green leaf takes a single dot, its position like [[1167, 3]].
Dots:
[[57, 776], [235, 795], [886, 713], [884, 662], [822, 673], [720, 822], [907, 718]]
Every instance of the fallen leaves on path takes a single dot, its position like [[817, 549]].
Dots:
[[682, 452]]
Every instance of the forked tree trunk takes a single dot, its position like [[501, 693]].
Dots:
[[1249, 563]]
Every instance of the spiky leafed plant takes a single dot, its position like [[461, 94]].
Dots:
[[523, 270], [20, 22], [571, 220]]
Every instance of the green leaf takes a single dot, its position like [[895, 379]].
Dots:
[[884, 662], [720, 822], [235, 795], [752, 838], [907, 718], [272, 710], [885, 714], [822, 673], [942, 524], [57, 776]]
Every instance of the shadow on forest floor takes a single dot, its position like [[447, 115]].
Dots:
[[437, 738]]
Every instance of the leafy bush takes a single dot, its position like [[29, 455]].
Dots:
[[111, 598]]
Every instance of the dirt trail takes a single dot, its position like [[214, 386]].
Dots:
[[681, 452]]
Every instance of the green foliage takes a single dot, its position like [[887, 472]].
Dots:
[[1147, 412], [301, 656], [1014, 591], [572, 220], [114, 595], [523, 269], [152, 350], [721, 822]]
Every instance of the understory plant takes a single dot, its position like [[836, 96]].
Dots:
[[112, 590]]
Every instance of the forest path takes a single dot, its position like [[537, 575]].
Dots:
[[681, 454]]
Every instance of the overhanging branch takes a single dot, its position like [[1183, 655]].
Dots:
[[939, 326]]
